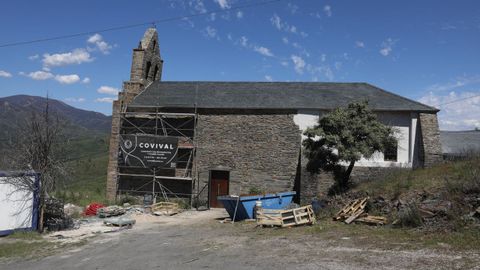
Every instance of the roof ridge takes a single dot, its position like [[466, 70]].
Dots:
[[283, 82], [402, 97]]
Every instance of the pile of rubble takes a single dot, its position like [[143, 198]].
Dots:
[[435, 211]]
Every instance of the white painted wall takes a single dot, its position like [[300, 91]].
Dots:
[[16, 207], [403, 122]]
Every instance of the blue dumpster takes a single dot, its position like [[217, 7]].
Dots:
[[246, 204]]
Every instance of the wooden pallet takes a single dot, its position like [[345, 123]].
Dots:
[[352, 210], [355, 211], [374, 220], [286, 218]]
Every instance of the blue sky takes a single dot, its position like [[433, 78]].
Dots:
[[425, 50]]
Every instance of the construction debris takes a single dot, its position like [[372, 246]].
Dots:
[[72, 210], [355, 211], [110, 211], [165, 209], [286, 218], [91, 209], [54, 216], [120, 221]]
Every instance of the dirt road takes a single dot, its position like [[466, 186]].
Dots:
[[198, 241]]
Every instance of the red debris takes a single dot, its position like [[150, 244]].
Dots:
[[91, 209]]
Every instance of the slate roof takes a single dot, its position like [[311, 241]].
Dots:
[[271, 95], [460, 142]]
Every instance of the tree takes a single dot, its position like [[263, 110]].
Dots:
[[38, 147], [344, 136]]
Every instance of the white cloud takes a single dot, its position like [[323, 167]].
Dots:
[[268, 78], [77, 56], [223, 3], [387, 47], [86, 80], [33, 57], [100, 44], [108, 90], [239, 14], [328, 10], [198, 5], [244, 41], [323, 57], [299, 63], [292, 7], [284, 63], [213, 17], [285, 40], [39, 75], [75, 99], [323, 70], [263, 51], [42, 75], [210, 32], [448, 26], [460, 110], [105, 99], [5, 74], [316, 71], [276, 21], [458, 82], [67, 79], [359, 44], [284, 26]]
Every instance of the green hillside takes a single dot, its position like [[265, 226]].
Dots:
[[87, 163]]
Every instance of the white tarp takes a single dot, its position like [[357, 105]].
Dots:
[[16, 206]]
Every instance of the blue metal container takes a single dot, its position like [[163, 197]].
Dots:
[[246, 204]]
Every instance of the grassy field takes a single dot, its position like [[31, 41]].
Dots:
[[87, 161], [459, 177]]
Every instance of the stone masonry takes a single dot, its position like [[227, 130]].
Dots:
[[431, 150], [260, 150]]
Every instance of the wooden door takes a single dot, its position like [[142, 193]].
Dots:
[[218, 187]]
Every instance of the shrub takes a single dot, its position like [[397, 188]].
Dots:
[[409, 216]]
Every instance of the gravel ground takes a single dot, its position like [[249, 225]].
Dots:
[[194, 240]]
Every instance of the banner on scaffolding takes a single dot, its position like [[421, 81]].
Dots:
[[149, 151]]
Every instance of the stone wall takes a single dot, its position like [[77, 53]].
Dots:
[[260, 150], [113, 153], [314, 186], [431, 148]]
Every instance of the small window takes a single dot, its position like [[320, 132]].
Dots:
[[155, 73], [390, 153], [147, 69]]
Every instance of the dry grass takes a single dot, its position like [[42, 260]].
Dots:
[[453, 177]]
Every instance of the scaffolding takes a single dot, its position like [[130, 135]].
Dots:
[[179, 181]]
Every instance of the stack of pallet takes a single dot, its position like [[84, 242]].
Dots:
[[355, 211], [285, 218]]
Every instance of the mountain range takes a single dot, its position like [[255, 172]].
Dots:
[[77, 122]]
